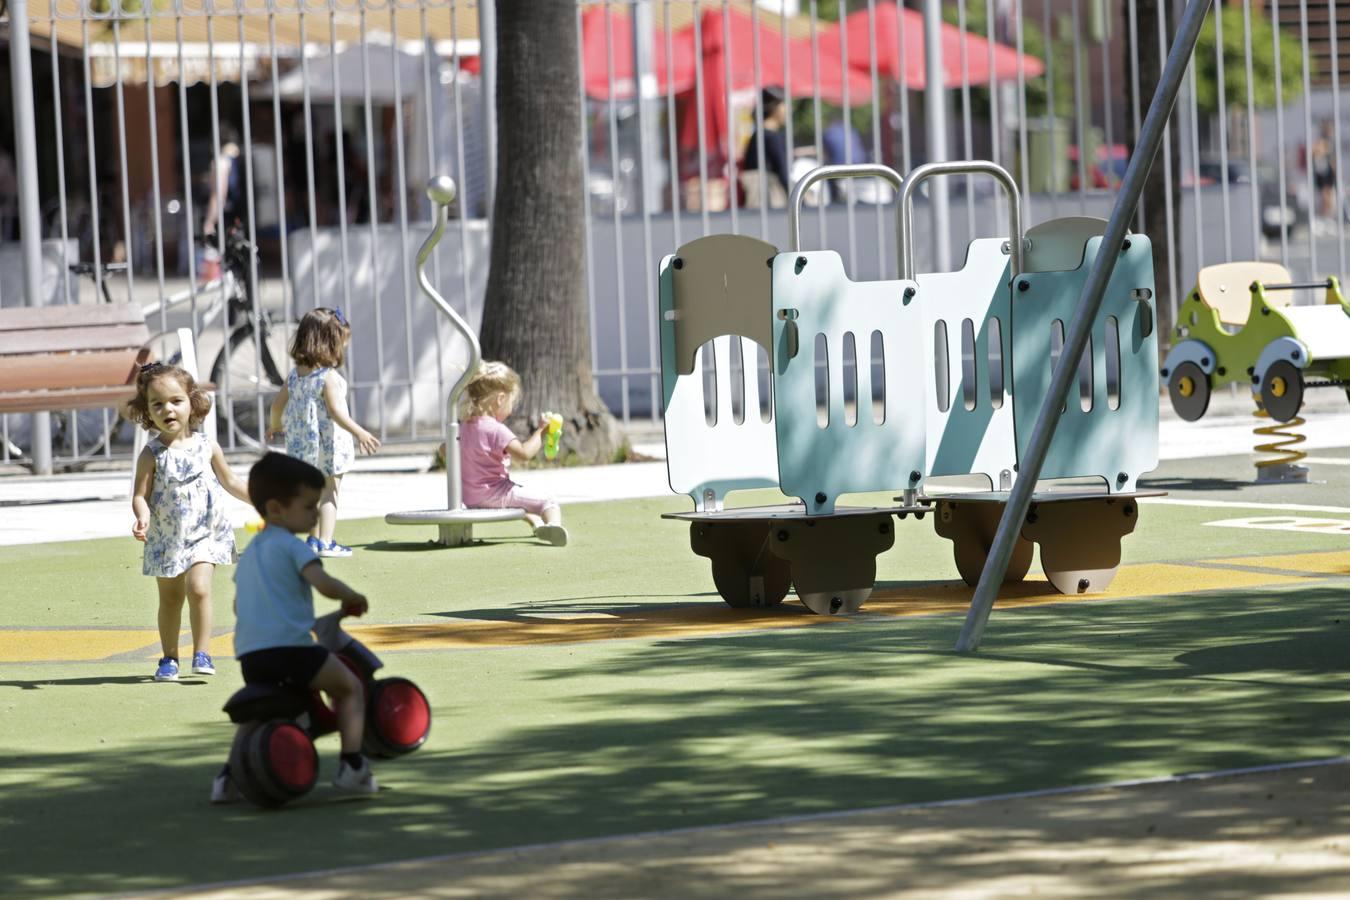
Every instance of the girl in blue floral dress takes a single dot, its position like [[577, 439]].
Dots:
[[311, 413], [179, 506]]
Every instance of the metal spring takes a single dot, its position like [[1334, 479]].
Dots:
[[1282, 450]]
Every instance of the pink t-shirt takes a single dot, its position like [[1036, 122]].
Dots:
[[484, 460]]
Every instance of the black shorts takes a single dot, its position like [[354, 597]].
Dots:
[[290, 667]]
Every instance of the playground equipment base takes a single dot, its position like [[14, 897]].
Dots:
[[759, 552], [1079, 534], [455, 526]]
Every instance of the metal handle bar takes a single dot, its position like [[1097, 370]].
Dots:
[[441, 190], [970, 167], [1297, 285], [824, 173]]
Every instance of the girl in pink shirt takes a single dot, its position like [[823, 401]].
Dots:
[[487, 448]]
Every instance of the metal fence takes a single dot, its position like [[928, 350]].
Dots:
[[314, 124]]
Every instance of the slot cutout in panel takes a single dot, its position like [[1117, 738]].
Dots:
[[850, 386], [878, 379], [1085, 377], [736, 369], [709, 381], [994, 353], [941, 367], [765, 384], [1112, 351], [822, 370], [968, 380]]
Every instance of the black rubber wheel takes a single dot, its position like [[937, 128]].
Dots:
[[1189, 389], [398, 717], [273, 762], [1282, 390]]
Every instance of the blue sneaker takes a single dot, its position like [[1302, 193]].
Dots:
[[201, 664], [168, 669], [315, 544], [336, 550]]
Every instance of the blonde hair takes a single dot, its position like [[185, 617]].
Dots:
[[492, 381], [138, 410], [321, 338]]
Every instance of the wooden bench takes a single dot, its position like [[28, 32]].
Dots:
[[70, 357]]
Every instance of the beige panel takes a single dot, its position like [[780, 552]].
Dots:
[[1227, 288], [1058, 245], [723, 285]]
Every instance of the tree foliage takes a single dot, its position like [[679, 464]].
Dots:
[[1235, 63]]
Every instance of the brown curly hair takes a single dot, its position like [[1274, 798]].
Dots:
[[138, 410], [321, 338], [492, 380]]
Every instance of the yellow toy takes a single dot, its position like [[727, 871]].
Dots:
[[553, 435]]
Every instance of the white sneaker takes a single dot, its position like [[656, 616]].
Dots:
[[552, 534], [356, 781], [223, 789]]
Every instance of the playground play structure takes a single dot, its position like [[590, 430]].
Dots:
[[882, 386], [1240, 324]]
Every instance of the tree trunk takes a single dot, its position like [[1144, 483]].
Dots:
[[535, 315], [1154, 199]]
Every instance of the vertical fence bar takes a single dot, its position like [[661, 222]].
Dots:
[[1193, 125], [728, 90], [312, 191], [287, 294], [1336, 133], [1313, 271], [1223, 133], [462, 172], [189, 210], [586, 192], [1251, 125], [1079, 108], [372, 205], [152, 102], [30, 214], [90, 143], [621, 294], [1014, 514], [55, 57], [1279, 137], [645, 82], [849, 199], [1135, 99], [672, 141], [818, 119], [759, 126], [401, 192], [1024, 163], [1173, 263], [967, 135], [340, 147], [700, 118], [122, 148]]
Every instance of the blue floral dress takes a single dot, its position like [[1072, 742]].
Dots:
[[311, 434], [188, 524]]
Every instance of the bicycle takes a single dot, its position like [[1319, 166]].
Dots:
[[249, 368]]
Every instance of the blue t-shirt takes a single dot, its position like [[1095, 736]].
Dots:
[[274, 606]]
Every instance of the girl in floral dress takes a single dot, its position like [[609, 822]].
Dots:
[[179, 506], [311, 413]]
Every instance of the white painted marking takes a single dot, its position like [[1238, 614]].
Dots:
[[1288, 523], [1228, 504], [786, 820]]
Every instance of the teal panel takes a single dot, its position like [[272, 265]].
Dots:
[[1103, 442], [816, 462]]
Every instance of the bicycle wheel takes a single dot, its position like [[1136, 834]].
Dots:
[[248, 373]]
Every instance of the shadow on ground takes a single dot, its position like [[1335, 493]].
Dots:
[[543, 744]]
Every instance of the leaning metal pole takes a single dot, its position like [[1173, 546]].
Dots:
[[1150, 136], [30, 229]]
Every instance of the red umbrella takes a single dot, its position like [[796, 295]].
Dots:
[[903, 28], [729, 44], [608, 34]]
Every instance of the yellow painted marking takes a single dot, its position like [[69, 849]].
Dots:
[[1332, 562], [707, 618], [1146, 580], [70, 644]]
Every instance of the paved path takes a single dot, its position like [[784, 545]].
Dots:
[[84, 506]]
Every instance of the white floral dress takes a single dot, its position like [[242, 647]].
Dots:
[[311, 434], [188, 524]]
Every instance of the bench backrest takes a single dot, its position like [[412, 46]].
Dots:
[[49, 349]]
